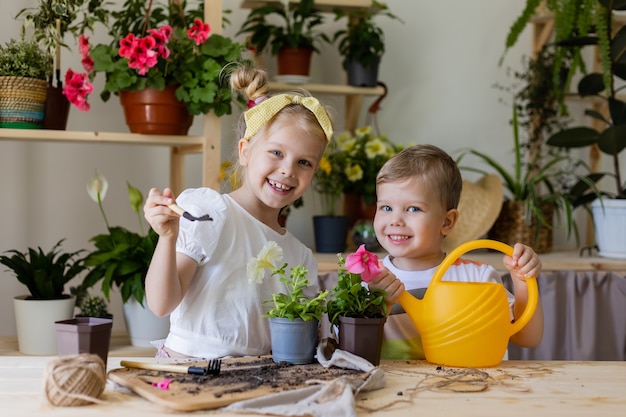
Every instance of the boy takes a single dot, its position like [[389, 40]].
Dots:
[[418, 191]]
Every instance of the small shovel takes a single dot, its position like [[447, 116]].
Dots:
[[212, 368]]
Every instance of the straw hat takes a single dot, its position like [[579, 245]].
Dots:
[[479, 207]]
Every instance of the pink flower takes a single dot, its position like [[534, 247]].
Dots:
[[199, 32], [364, 263], [83, 45], [77, 88], [87, 63]]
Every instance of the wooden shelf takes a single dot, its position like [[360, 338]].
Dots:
[[322, 5]]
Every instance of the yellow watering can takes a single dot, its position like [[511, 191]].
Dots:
[[467, 324]]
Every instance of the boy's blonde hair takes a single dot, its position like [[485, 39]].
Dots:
[[430, 164]]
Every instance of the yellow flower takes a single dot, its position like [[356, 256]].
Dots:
[[270, 253], [347, 146], [363, 131], [354, 173], [375, 147], [325, 165]]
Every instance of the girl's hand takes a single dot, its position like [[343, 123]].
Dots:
[[157, 213], [524, 263], [389, 283]]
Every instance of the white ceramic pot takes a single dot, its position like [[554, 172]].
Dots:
[[609, 217], [142, 325], [34, 319]]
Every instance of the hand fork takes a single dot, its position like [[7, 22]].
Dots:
[[178, 210], [213, 367]]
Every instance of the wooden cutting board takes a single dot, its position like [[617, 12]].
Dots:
[[239, 379]]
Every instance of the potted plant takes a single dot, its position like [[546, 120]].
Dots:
[[355, 161], [24, 69], [609, 211], [89, 331], [362, 43], [555, 183], [293, 41], [358, 313], [121, 260], [51, 21], [164, 57], [45, 274], [293, 316]]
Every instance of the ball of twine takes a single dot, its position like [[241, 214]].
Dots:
[[75, 380]]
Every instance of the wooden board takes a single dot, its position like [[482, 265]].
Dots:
[[239, 379]]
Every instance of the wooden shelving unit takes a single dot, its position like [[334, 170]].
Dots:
[[209, 144]]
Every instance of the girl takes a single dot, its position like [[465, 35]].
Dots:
[[198, 271]]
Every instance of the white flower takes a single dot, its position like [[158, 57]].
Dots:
[[256, 267], [97, 187], [375, 147]]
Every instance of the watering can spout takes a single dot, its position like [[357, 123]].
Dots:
[[466, 324]]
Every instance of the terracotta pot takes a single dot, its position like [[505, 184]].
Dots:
[[355, 208], [294, 61], [57, 109], [510, 227], [155, 112], [362, 336]]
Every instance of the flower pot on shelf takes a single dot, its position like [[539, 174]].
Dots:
[[362, 76], [84, 335], [293, 341], [609, 219], [294, 61], [356, 209], [331, 233], [22, 102], [362, 336], [34, 319], [57, 109], [156, 112]]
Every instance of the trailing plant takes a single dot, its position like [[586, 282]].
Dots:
[[44, 273], [350, 298], [293, 303]]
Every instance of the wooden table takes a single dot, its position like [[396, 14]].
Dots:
[[515, 388]]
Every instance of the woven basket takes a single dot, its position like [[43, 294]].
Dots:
[[510, 227], [22, 102]]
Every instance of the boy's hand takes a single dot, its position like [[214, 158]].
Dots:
[[161, 218], [524, 263], [389, 283]]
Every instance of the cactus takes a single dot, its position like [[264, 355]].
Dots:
[[94, 306]]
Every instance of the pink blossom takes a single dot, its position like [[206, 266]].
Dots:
[[364, 263], [87, 63], [160, 40], [77, 88], [199, 32], [127, 46], [83, 45]]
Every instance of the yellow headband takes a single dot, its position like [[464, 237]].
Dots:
[[260, 114]]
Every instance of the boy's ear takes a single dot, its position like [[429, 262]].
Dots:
[[243, 149], [450, 220]]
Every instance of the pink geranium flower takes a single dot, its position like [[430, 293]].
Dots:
[[77, 88], [364, 263], [199, 32]]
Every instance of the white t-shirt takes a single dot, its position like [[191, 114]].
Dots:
[[222, 312], [401, 338]]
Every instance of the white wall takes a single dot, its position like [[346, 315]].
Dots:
[[440, 67]]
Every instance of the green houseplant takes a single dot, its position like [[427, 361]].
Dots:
[[24, 69], [45, 274], [297, 34], [362, 42], [293, 316], [161, 47], [609, 132], [357, 312]]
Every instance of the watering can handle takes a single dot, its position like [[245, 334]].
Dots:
[[531, 282]]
